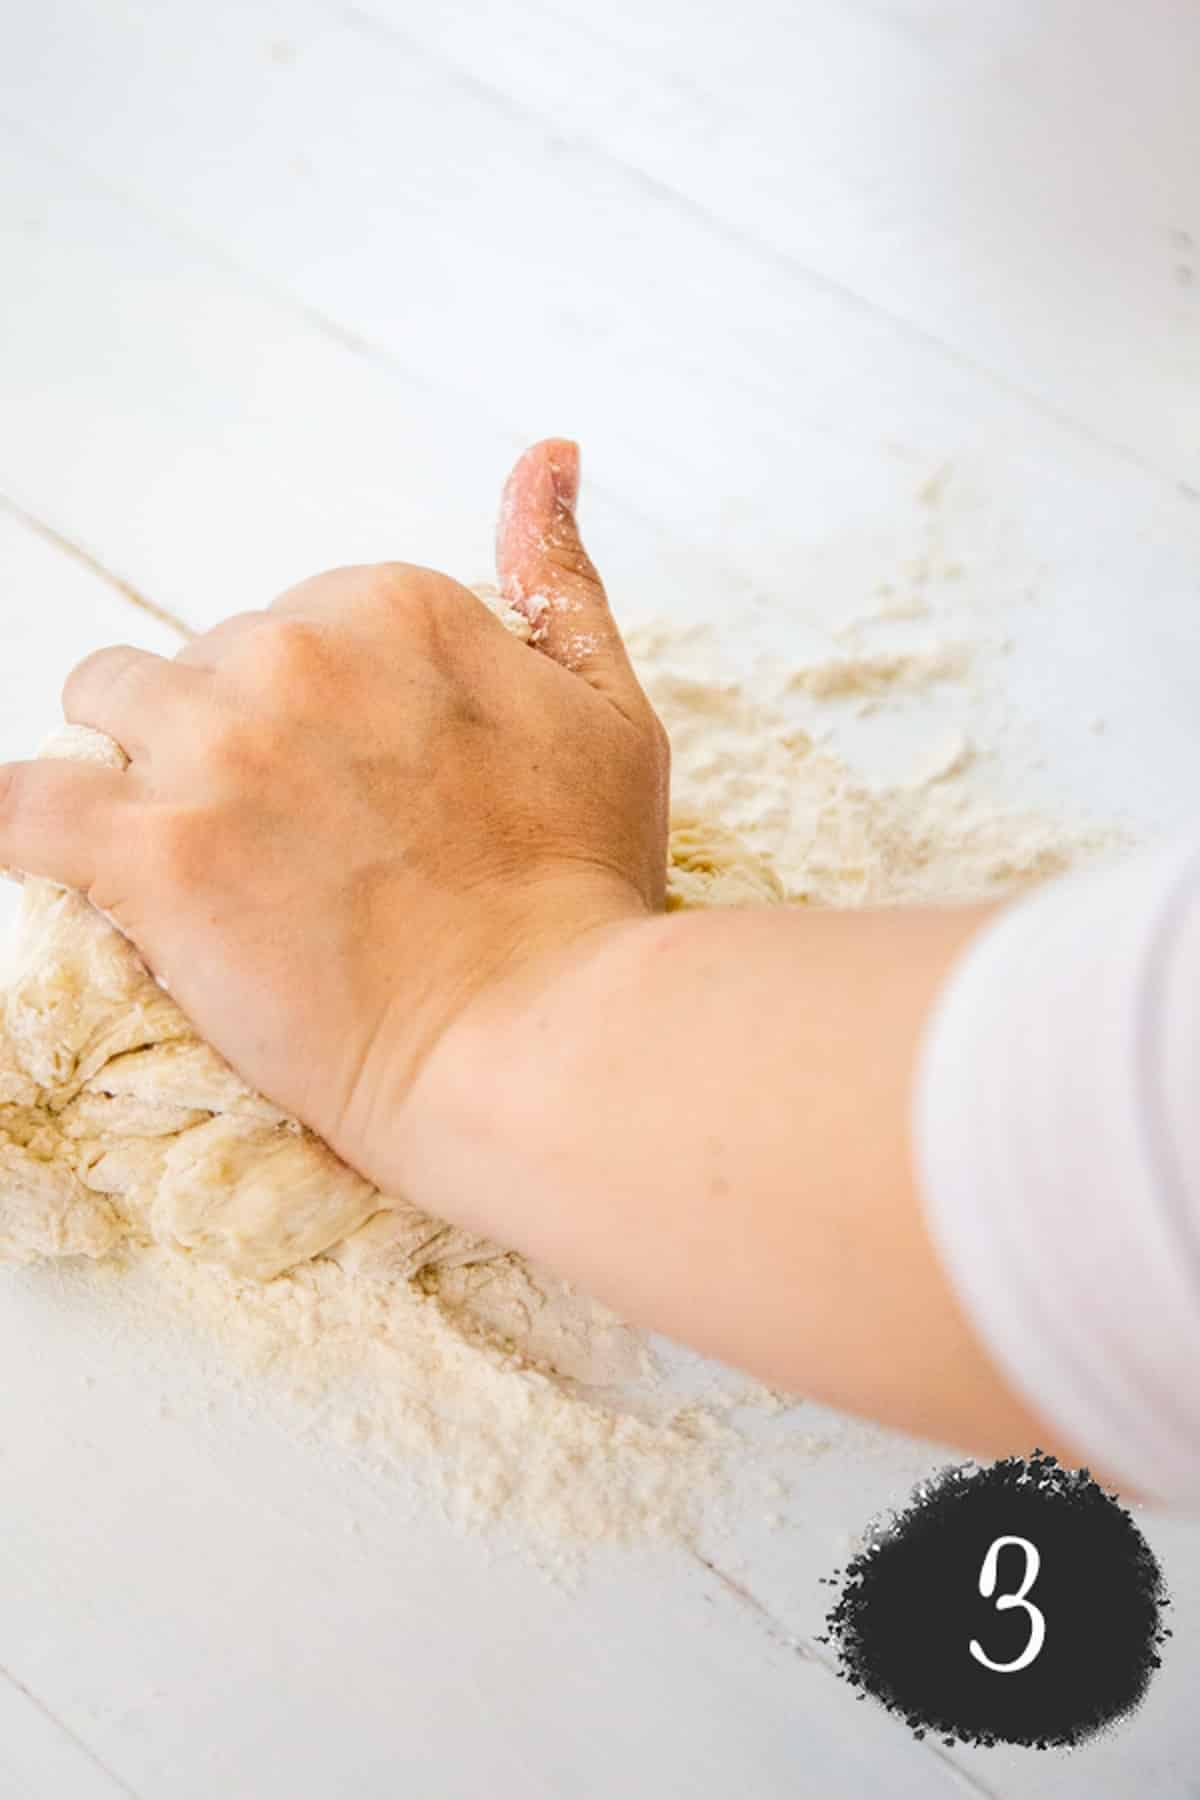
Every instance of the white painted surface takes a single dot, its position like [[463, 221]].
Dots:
[[282, 286]]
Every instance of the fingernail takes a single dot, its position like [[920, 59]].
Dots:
[[564, 473]]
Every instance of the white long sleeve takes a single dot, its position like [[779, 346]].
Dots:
[[1057, 1134]]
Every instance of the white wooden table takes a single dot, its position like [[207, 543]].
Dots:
[[288, 285]]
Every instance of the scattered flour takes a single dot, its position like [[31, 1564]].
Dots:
[[881, 671], [805, 820]]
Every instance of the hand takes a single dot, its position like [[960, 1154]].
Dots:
[[349, 819]]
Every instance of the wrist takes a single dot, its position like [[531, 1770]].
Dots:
[[435, 1121]]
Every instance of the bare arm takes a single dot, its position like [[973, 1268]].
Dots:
[[705, 1121]]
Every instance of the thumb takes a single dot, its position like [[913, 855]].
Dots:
[[546, 573]]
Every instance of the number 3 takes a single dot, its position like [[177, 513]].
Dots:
[[987, 1587]]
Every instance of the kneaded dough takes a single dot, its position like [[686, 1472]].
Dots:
[[118, 1124]]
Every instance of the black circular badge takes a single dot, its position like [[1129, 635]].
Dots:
[[1017, 1603]]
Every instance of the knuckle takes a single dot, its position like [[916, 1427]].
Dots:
[[333, 587], [397, 579], [100, 673], [565, 554], [293, 641], [568, 560], [284, 652], [417, 595], [215, 644]]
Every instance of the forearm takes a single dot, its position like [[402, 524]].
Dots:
[[705, 1122]]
